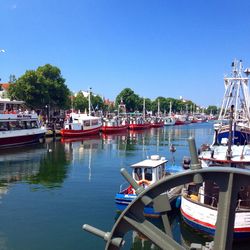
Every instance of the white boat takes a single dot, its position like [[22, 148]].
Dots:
[[170, 119], [18, 128], [114, 124], [199, 201], [237, 95], [146, 173], [138, 122], [78, 124], [157, 121]]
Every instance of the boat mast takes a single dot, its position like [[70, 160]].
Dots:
[[72, 108], [158, 112], [170, 109], [229, 149], [236, 93], [89, 101], [143, 108]]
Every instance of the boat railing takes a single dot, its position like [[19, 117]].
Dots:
[[209, 200], [213, 201], [123, 185], [243, 204]]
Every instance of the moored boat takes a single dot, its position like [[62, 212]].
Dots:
[[114, 125], [170, 119], [78, 124], [181, 120], [146, 173], [236, 94], [138, 123], [18, 128], [199, 201], [157, 121]]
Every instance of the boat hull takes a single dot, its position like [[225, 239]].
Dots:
[[114, 129], [79, 133], [139, 126], [203, 218], [239, 137], [21, 139], [157, 125], [123, 200], [179, 122]]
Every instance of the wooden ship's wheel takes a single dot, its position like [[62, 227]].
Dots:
[[132, 218]]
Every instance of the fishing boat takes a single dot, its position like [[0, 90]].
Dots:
[[199, 201], [146, 173], [78, 124], [18, 128], [181, 120], [157, 121], [169, 120], [139, 122], [236, 94], [114, 125]]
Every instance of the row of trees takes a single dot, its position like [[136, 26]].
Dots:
[[45, 86]]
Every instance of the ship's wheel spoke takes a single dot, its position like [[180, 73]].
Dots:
[[229, 188]]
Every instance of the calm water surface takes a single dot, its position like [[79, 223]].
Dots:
[[47, 192]]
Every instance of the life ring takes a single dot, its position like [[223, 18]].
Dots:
[[144, 183]]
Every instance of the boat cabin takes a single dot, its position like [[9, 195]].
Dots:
[[10, 106], [150, 170]]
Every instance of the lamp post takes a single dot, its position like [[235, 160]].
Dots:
[[47, 112]]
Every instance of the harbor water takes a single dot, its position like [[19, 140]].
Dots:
[[48, 191]]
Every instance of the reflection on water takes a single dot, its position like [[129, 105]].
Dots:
[[19, 165], [78, 149], [44, 165], [182, 233], [75, 182]]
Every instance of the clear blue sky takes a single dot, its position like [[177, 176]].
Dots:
[[156, 48]]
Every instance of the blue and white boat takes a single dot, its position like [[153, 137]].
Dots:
[[237, 95], [146, 173]]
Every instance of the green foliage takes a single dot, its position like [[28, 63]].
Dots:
[[44, 86], [80, 102], [130, 99], [134, 102], [212, 110], [97, 102]]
